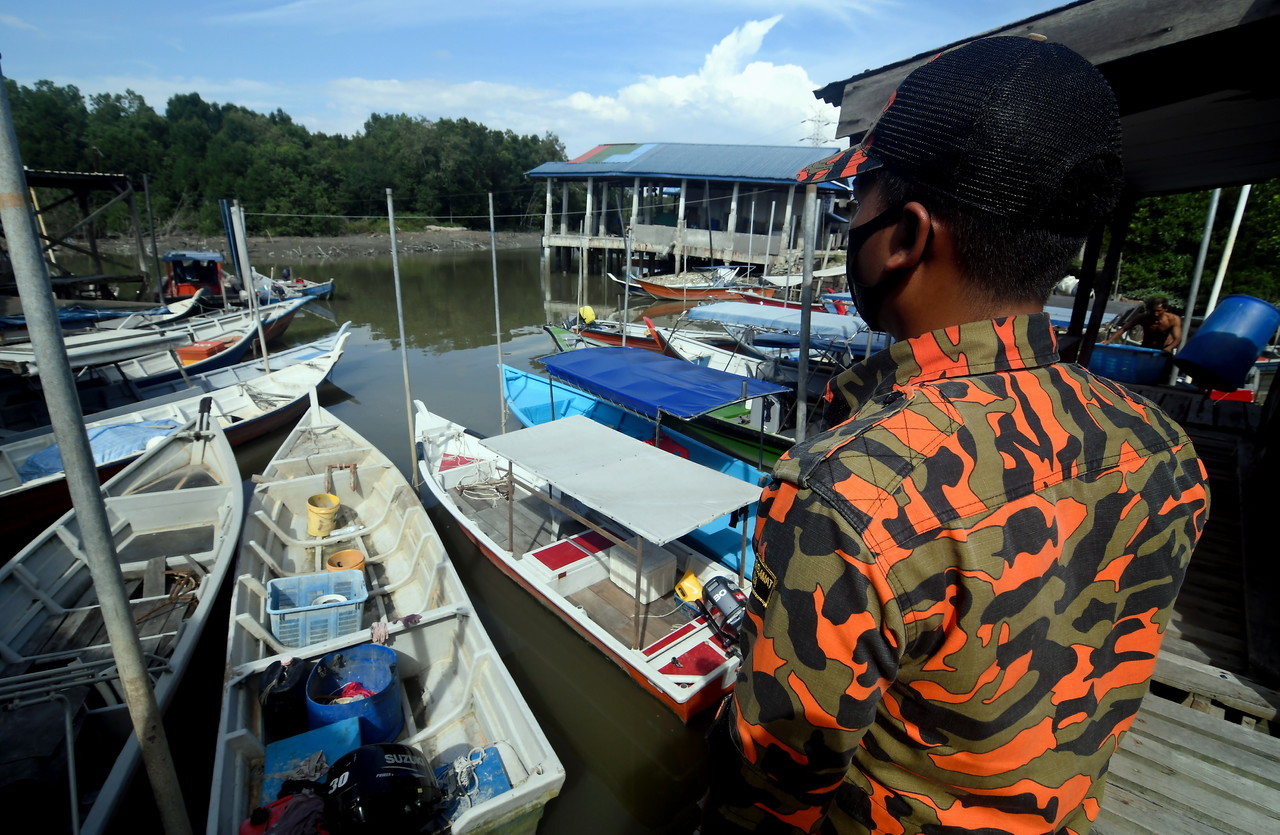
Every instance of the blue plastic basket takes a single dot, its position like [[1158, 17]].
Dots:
[[297, 620], [1129, 363]]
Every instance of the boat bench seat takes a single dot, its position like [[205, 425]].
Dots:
[[574, 563], [454, 469]]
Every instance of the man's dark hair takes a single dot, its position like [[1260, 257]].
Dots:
[[1002, 259]]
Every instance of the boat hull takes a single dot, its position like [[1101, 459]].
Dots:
[[704, 699]]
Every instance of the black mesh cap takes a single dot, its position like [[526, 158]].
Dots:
[[1018, 128]]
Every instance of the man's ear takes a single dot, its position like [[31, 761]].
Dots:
[[911, 237]]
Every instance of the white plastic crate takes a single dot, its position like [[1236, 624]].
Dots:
[[297, 620]]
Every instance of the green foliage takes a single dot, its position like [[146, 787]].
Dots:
[[290, 181], [1165, 238]]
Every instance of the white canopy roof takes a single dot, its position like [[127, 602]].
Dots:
[[658, 495]]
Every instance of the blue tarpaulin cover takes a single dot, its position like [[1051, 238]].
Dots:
[[650, 383], [109, 443]]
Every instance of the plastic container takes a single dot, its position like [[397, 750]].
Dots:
[[375, 668], [282, 694], [1224, 348], [197, 351], [322, 510], [348, 559], [298, 620], [1129, 363]]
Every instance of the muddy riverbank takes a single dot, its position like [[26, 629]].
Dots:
[[310, 250]]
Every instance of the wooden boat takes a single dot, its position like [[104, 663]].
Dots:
[[153, 354], [586, 520], [687, 292], [89, 313], [719, 351], [271, 289], [456, 697], [216, 341], [33, 484], [175, 514], [101, 398], [189, 271]]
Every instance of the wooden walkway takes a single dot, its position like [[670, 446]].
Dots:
[[1202, 756]]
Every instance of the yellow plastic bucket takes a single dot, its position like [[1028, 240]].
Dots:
[[349, 559], [322, 509]]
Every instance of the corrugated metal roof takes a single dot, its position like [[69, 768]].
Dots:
[[677, 160]]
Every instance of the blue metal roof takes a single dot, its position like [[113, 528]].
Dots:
[[676, 160], [650, 383]]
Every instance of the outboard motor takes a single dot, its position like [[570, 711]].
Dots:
[[383, 788], [724, 606]]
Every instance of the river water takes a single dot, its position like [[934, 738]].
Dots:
[[631, 765]]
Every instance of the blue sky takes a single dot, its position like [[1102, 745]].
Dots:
[[740, 71]]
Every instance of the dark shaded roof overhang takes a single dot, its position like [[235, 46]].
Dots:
[[1196, 82]]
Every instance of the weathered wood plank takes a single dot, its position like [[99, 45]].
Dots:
[[1223, 686], [1179, 764]]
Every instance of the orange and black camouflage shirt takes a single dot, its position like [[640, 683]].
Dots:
[[958, 597]]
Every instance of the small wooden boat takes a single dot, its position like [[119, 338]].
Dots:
[[687, 292], [89, 313], [175, 515], [25, 411], [589, 521], [147, 355], [453, 697], [32, 481], [272, 290], [215, 341]]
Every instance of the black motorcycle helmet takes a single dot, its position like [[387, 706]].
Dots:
[[384, 788]]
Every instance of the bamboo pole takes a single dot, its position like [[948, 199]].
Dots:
[[404, 346], [497, 318], [242, 246], [810, 226], [67, 419]]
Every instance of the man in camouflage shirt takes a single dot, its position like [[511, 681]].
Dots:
[[961, 588]]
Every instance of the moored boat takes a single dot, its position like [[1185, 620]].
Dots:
[[692, 402], [449, 700], [175, 515], [589, 521], [32, 481]]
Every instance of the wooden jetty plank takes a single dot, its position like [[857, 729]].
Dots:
[[1181, 771], [1221, 685], [1127, 811]]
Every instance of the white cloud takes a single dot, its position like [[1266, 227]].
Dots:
[[17, 23], [731, 98]]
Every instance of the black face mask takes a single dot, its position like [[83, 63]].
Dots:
[[869, 300]]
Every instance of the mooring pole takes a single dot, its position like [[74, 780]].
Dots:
[[497, 317], [404, 346], [810, 228], [242, 247], [50, 350]]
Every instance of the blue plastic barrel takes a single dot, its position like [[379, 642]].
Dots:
[[373, 666], [1228, 343]]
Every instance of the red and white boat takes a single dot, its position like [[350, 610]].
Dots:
[[588, 521]]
